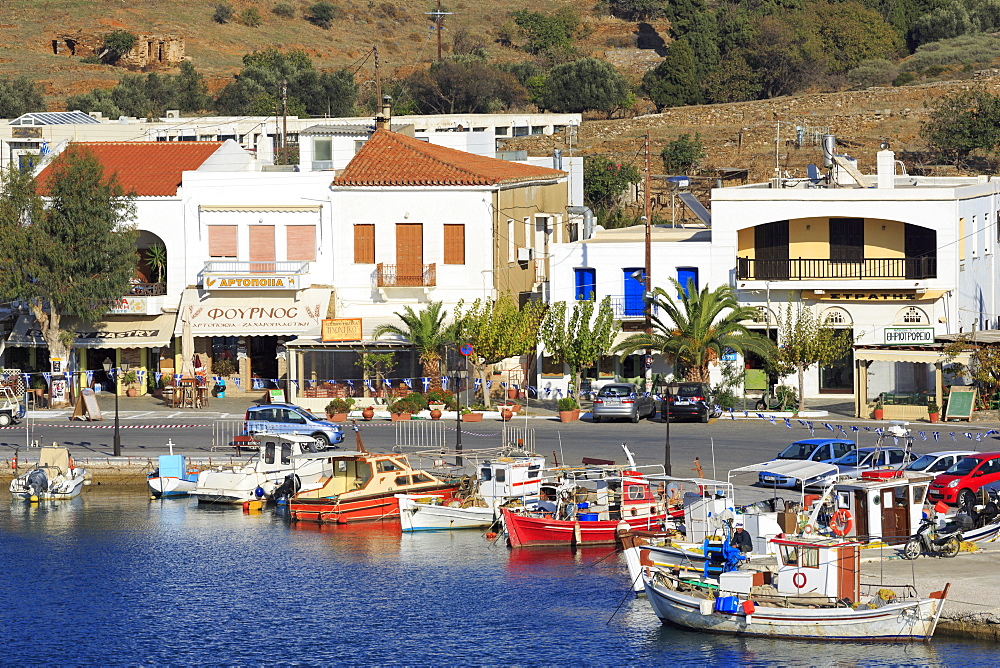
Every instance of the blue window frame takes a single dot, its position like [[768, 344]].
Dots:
[[586, 284], [685, 274]]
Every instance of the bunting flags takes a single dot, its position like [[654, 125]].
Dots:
[[937, 436], [444, 382], [788, 423], [952, 434], [828, 426], [370, 384], [923, 435], [426, 382]]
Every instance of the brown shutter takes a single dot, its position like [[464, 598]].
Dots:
[[301, 242], [262, 248], [454, 244], [222, 240], [364, 244]]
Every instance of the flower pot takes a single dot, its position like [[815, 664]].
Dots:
[[399, 417], [879, 413], [131, 392], [472, 417], [933, 417], [336, 417], [567, 416], [435, 414], [368, 413], [439, 407], [506, 414], [511, 393], [576, 413], [515, 408]]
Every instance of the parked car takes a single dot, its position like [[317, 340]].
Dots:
[[784, 471], [959, 484], [12, 410], [872, 458], [622, 400], [289, 419], [691, 400], [937, 462]]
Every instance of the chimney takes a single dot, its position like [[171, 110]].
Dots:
[[382, 120], [885, 161]]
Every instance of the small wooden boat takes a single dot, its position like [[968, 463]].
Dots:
[[815, 595], [362, 487], [590, 504], [53, 478], [172, 477], [500, 480]]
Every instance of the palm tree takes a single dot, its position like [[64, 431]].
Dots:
[[426, 331], [697, 328]]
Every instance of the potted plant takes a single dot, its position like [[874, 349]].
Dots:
[[130, 380], [337, 409], [568, 409], [368, 413], [471, 415], [440, 400], [156, 258], [933, 411], [878, 413], [224, 368]]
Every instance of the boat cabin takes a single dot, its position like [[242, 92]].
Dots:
[[886, 509], [828, 567], [511, 477], [172, 466], [346, 472], [280, 450], [599, 493]]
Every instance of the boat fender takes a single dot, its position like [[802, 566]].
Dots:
[[841, 522], [259, 492]]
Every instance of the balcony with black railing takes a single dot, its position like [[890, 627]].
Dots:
[[630, 306], [406, 276], [807, 269]]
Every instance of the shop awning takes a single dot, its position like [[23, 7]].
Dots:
[[154, 331], [368, 326], [300, 314], [893, 354]]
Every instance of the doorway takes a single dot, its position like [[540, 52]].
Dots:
[[409, 254], [263, 351], [634, 287]]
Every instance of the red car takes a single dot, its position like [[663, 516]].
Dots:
[[959, 484]]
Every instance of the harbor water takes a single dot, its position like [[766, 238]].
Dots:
[[117, 579]]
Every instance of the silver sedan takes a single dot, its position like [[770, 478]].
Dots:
[[622, 400]]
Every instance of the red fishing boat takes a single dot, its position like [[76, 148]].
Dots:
[[586, 506], [361, 487]]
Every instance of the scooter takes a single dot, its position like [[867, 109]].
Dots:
[[945, 542]]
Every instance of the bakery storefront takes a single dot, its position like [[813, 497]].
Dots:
[[247, 330]]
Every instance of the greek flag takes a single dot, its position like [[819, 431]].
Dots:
[[177, 377], [478, 383], [788, 423], [841, 428], [548, 391], [771, 419], [952, 434], [979, 438], [802, 422], [868, 428], [426, 382], [732, 415], [370, 384], [503, 385], [489, 385], [90, 377], [407, 382], [533, 390], [937, 436], [828, 426], [968, 435], [351, 383], [444, 382], [296, 382], [558, 392], [854, 428], [47, 376], [895, 440], [878, 431], [760, 415], [923, 436], [992, 431]]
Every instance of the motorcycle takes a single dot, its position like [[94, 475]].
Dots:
[[945, 542]]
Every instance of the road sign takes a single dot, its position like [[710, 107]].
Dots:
[[649, 361], [466, 349]]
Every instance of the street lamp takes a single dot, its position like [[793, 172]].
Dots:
[[107, 369], [671, 391]]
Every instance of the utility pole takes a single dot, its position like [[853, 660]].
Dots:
[[284, 120], [378, 82], [438, 22], [648, 310]]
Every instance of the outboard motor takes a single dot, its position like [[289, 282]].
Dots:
[[290, 486], [38, 481]]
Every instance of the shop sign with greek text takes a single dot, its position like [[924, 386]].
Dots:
[[255, 282], [908, 336]]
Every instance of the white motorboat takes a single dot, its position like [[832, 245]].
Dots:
[[276, 463], [53, 478], [500, 480], [814, 595]]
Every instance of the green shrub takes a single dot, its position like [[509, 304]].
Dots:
[[323, 14], [223, 13], [963, 50], [117, 44], [875, 72], [92, 59], [414, 402], [284, 10], [339, 406], [568, 404], [250, 17], [904, 78], [725, 398]]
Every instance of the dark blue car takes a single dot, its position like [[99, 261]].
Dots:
[[289, 419]]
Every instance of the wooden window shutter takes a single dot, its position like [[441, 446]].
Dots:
[[364, 244], [222, 240], [454, 244], [262, 243], [301, 242]]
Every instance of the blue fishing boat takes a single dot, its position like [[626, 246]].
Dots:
[[172, 477]]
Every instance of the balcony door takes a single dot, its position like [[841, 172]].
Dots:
[[262, 248], [409, 254], [920, 248], [770, 243], [634, 288]]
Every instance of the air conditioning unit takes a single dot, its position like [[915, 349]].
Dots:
[[173, 113], [525, 254]]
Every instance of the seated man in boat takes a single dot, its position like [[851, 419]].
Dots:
[[741, 540]]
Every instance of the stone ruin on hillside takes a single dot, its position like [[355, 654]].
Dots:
[[149, 52]]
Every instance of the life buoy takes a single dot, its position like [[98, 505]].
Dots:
[[807, 529], [799, 580], [841, 522]]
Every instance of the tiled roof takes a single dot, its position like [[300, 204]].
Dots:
[[148, 169], [391, 159]]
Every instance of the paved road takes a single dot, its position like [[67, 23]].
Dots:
[[736, 443]]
